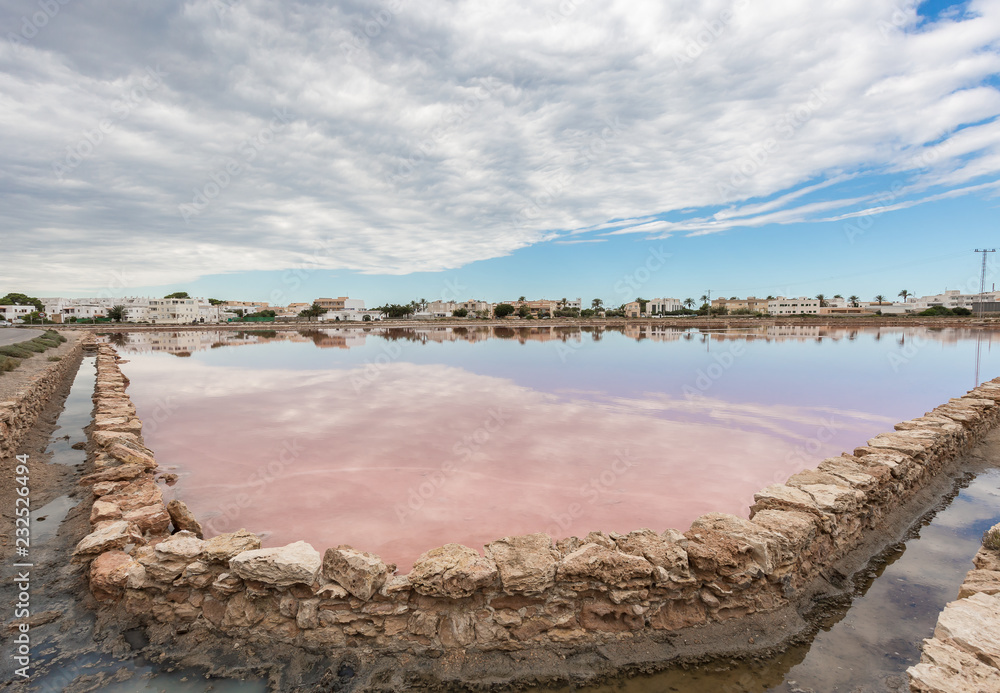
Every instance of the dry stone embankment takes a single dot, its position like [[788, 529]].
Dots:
[[149, 559]]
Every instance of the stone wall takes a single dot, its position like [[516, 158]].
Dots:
[[20, 412], [964, 654], [149, 560]]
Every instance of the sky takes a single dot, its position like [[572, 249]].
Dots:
[[394, 150]]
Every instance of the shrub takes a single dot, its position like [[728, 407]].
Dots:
[[8, 364], [32, 345], [55, 358], [15, 351], [934, 311], [961, 311], [52, 334], [991, 538]]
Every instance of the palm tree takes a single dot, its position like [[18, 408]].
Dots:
[[563, 302], [521, 299], [853, 301], [769, 298], [838, 296], [116, 313], [822, 300], [879, 299], [689, 302], [904, 293]]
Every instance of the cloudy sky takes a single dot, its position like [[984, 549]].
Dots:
[[397, 149]]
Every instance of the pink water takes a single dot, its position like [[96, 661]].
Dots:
[[399, 451]]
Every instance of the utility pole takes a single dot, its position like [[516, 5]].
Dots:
[[708, 293], [982, 277]]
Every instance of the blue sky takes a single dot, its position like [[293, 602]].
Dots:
[[390, 151]]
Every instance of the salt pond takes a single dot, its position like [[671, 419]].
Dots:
[[399, 440]]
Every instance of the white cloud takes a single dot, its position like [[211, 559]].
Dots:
[[458, 131]]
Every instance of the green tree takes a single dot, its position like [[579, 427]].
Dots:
[[689, 302], [395, 310], [215, 302], [521, 299], [313, 311], [643, 302], [13, 299], [503, 310], [822, 300], [880, 298], [178, 294], [904, 293], [460, 313], [597, 304], [116, 313], [523, 311], [853, 300]]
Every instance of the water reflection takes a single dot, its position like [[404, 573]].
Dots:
[[396, 440]]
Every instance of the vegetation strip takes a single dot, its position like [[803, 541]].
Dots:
[[148, 559]]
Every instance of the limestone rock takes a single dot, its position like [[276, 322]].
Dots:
[[128, 454], [527, 563], [944, 668], [223, 547], [109, 574], [150, 518], [282, 566], [452, 570], [663, 551], [596, 562], [114, 535], [733, 548], [183, 518], [360, 573], [102, 511], [986, 581], [182, 545], [973, 625], [124, 472]]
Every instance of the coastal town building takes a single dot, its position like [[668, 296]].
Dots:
[[793, 306], [342, 303], [750, 303], [658, 306]]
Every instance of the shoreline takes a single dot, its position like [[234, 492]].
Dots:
[[697, 322]]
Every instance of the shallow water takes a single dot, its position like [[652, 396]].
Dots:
[[399, 440], [45, 521], [866, 644], [75, 416]]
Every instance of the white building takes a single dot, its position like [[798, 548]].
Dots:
[[15, 313], [173, 311], [949, 299], [793, 306], [350, 316], [658, 306]]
